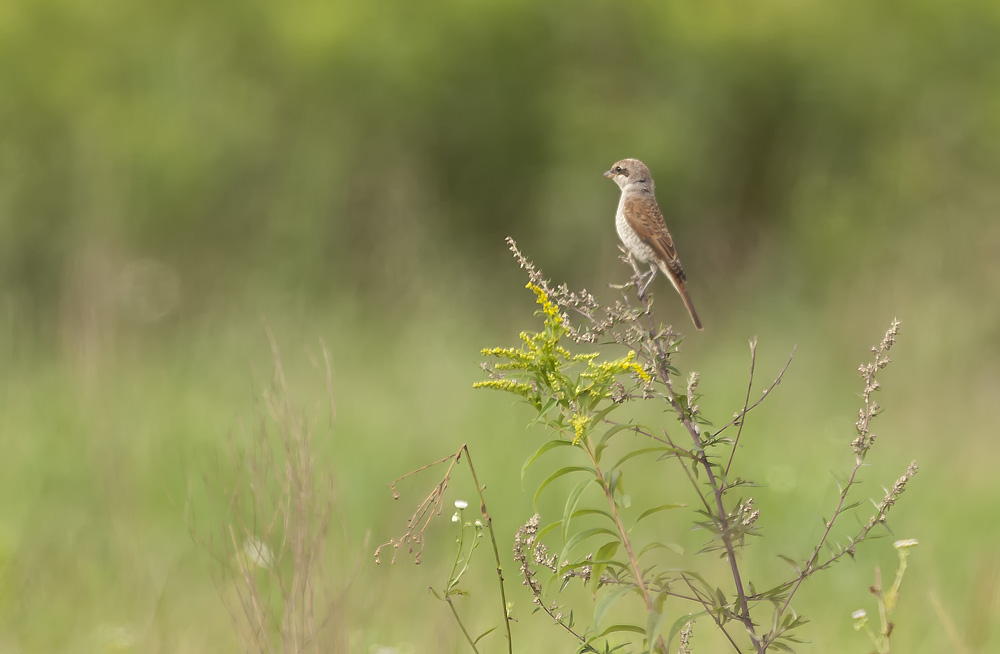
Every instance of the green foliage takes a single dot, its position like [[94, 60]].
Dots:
[[576, 398]]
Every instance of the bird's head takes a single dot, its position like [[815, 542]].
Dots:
[[630, 171]]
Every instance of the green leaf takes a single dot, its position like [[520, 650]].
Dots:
[[619, 628], [633, 454], [654, 623], [607, 600], [603, 555], [706, 589], [649, 548], [584, 512], [556, 475], [654, 510], [549, 445], [544, 410], [581, 536], [603, 413], [678, 452], [571, 501], [604, 441], [612, 431], [483, 635], [790, 561]]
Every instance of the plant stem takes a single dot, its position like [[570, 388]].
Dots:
[[493, 539], [724, 528], [461, 625], [623, 534]]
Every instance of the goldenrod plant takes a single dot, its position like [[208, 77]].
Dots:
[[587, 405]]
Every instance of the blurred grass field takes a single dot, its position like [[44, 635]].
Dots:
[[171, 176]]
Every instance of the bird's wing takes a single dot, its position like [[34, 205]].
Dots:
[[644, 216]]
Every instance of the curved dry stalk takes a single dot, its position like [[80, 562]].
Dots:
[[431, 506]]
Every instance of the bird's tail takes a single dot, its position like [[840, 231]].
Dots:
[[681, 287]]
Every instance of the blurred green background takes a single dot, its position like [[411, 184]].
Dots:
[[170, 173]]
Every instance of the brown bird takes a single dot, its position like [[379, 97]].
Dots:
[[642, 230]]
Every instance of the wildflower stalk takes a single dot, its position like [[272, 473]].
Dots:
[[886, 601], [861, 445], [418, 522]]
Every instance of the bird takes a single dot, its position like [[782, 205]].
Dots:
[[642, 229]]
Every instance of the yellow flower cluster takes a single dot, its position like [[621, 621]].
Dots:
[[552, 316], [615, 367], [579, 427], [516, 359], [505, 385], [502, 352], [577, 358], [643, 375], [543, 359], [603, 372]]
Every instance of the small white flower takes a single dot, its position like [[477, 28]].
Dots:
[[455, 518], [258, 553], [461, 504], [860, 614], [479, 523], [904, 544]]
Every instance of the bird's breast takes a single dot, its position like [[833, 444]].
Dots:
[[630, 238]]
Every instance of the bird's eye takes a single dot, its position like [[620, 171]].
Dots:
[[618, 169]]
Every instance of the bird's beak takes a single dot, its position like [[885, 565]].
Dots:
[[609, 174]]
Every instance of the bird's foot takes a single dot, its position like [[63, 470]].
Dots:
[[645, 284]]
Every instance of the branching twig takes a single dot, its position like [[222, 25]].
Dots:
[[743, 413], [660, 357], [739, 418], [708, 609]]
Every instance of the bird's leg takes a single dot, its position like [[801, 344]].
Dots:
[[645, 285]]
